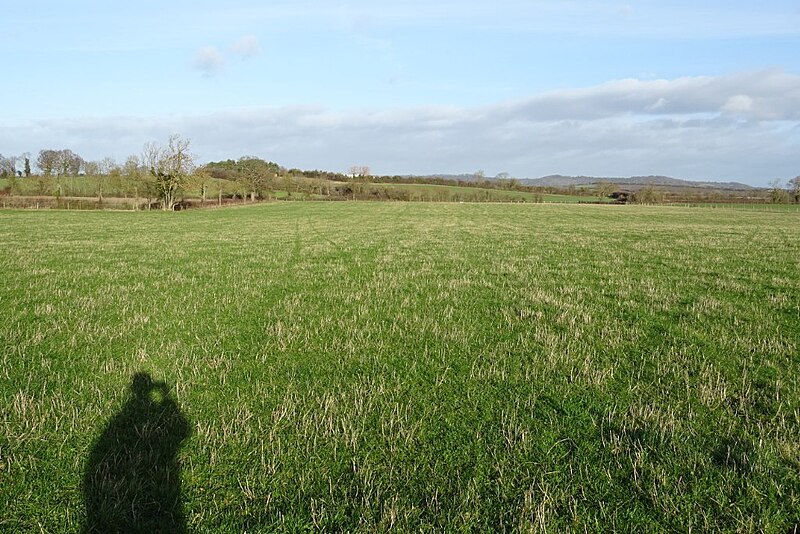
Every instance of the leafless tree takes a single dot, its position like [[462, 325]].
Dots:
[[8, 165], [107, 165], [170, 166], [360, 171], [68, 163], [47, 161], [777, 193], [604, 188], [794, 183], [136, 177], [91, 168]]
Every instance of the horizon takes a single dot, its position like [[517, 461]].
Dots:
[[702, 93]]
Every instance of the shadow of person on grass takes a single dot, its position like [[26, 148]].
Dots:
[[132, 480]]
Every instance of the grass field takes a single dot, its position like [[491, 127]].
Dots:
[[790, 208], [426, 191], [119, 187], [423, 367], [89, 186]]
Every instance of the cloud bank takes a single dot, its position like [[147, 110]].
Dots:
[[743, 127]]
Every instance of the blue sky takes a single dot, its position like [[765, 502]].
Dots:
[[706, 91]]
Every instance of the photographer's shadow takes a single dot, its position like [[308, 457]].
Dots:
[[132, 480]]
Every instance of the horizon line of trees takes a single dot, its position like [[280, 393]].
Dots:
[[163, 172]]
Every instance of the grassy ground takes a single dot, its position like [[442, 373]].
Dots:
[[119, 187], [791, 208], [447, 192], [90, 186], [361, 366]]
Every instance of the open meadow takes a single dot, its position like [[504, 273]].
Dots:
[[417, 366]]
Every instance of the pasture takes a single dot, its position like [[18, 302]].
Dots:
[[410, 366], [81, 192]]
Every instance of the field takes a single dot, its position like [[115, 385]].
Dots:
[[120, 191], [112, 187], [417, 366], [477, 194]]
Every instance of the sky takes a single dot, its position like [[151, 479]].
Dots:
[[696, 90]]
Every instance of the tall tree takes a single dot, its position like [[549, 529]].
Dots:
[[69, 163], [91, 168], [107, 165], [255, 175], [778, 195], [8, 165], [27, 169], [47, 161], [170, 166], [360, 171], [604, 188], [794, 183], [201, 179]]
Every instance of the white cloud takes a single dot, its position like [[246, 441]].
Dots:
[[209, 60], [247, 46], [743, 127]]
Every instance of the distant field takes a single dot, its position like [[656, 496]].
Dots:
[[418, 366], [89, 186], [482, 194], [790, 208]]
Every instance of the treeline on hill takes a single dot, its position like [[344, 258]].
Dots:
[[259, 179], [166, 177]]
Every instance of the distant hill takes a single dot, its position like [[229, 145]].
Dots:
[[557, 180]]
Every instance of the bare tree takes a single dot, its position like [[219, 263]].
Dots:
[[506, 180], [131, 171], [201, 179], [778, 195], [8, 165], [106, 168], [68, 163], [47, 161], [604, 189], [75, 163], [59, 162], [91, 168], [170, 166], [255, 176], [360, 171], [107, 165], [794, 183], [648, 195]]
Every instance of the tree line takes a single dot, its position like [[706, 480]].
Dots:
[[162, 173], [159, 172]]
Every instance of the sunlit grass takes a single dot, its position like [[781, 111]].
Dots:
[[362, 366]]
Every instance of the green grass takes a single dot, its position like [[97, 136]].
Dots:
[[88, 186], [790, 208], [435, 367], [447, 192]]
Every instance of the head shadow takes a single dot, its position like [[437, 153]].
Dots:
[[132, 479]]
